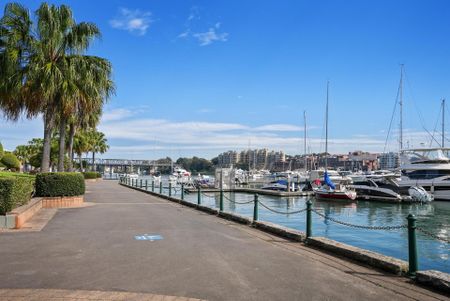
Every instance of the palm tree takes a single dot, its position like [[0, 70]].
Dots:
[[43, 68], [23, 153], [97, 144], [80, 146], [91, 86]]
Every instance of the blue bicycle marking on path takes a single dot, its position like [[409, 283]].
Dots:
[[148, 237]]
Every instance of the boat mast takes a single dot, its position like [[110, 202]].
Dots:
[[304, 142], [443, 122], [326, 129], [401, 107]]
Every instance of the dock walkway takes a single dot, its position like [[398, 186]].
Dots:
[[200, 256]]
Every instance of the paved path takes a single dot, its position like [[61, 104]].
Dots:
[[80, 295], [201, 256]]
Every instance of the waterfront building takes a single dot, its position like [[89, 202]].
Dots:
[[228, 158], [389, 160], [365, 161]]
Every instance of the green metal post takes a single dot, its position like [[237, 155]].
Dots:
[[140, 184], [153, 185], [170, 188], [199, 195], [308, 219], [412, 245], [146, 185], [182, 191], [132, 182], [160, 187], [221, 200], [255, 208]]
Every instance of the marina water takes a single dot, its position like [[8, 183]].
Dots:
[[433, 217]]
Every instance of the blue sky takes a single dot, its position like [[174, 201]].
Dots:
[[201, 77]]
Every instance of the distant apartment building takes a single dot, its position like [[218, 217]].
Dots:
[[389, 160], [229, 158], [365, 161], [251, 158]]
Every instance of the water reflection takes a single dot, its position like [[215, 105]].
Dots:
[[433, 217]]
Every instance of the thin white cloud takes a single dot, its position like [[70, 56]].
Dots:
[[204, 38], [184, 35], [210, 36], [133, 21], [193, 15], [279, 128], [116, 114]]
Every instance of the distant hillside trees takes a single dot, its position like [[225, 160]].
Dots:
[[196, 164]]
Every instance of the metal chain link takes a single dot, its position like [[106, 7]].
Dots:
[[282, 212], [208, 196], [360, 226], [236, 202], [432, 235]]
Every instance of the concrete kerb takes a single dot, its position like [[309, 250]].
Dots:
[[437, 280], [281, 231], [376, 260]]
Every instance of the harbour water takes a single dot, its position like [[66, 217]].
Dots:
[[433, 217]]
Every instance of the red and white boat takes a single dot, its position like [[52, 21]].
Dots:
[[341, 193]]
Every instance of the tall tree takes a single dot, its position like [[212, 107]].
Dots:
[[81, 145], [43, 68], [98, 144]]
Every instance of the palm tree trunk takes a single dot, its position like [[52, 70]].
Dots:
[[71, 135], [62, 144], [81, 161], [93, 161], [48, 125]]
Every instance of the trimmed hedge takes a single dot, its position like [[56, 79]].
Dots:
[[53, 184], [91, 175], [15, 190], [10, 161]]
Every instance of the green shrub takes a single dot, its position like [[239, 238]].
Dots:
[[15, 190], [99, 175], [10, 161], [91, 175], [1, 151], [60, 184]]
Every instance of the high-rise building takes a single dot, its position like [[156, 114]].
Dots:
[[389, 160]]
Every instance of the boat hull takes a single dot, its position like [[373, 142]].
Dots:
[[335, 195], [440, 190]]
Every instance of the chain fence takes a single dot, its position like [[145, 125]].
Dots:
[[207, 195], [236, 202], [316, 211], [432, 235], [282, 212], [404, 226]]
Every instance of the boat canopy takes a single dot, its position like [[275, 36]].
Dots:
[[424, 155]]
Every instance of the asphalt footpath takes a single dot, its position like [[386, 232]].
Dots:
[[132, 242]]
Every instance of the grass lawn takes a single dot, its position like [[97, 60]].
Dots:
[[15, 174]]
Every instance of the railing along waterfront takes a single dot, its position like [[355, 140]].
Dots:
[[410, 225]]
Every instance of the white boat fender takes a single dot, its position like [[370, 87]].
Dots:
[[419, 194]]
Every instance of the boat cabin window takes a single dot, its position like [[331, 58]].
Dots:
[[425, 174]]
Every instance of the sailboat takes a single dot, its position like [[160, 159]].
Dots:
[[329, 190]]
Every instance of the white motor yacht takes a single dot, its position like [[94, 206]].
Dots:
[[428, 168]]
